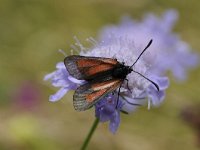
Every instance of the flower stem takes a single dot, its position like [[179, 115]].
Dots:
[[87, 140]]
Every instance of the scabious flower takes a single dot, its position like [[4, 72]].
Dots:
[[125, 42], [139, 87], [168, 50]]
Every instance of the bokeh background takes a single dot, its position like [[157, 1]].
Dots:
[[32, 31]]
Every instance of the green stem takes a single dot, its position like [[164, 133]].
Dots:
[[87, 140]]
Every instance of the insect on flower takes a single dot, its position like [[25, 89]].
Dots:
[[103, 76]]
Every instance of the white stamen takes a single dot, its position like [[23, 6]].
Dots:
[[75, 48], [72, 52], [92, 41], [62, 52], [149, 104], [78, 43]]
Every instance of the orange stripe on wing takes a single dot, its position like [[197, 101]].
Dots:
[[103, 88], [100, 68], [107, 84], [109, 61], [87, 63], [93, 96], [94, 62]]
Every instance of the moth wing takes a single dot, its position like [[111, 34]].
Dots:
[[88, 94], [86, 68]]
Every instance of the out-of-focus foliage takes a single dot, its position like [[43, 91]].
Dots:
[[31, 32]]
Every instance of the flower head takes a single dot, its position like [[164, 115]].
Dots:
[[133, 93], [125, 43]]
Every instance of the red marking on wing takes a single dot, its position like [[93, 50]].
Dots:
[[103, 88], [97, 69], [110, 61], [107, 84], [81, 63], [88, 62], [93, 96]]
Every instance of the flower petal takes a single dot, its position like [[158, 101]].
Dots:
[[154, 95], [49, 76], [74, 80], [59, 94], [114, 122], [60, 65], [131, 104]]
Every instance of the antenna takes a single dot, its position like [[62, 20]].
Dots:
[[150, 42], [156, 85], [142, 53]]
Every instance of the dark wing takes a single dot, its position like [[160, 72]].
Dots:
[[87, 68], [88, 94]]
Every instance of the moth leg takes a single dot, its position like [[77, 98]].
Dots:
[[124, 112], [128, 85], [118, 96]]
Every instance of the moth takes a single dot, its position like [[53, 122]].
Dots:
[[103, 76]]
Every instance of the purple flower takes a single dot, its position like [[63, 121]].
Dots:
[[139, 89], [125, 42], [156, 97]]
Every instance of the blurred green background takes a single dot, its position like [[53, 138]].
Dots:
[[31, 32]]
